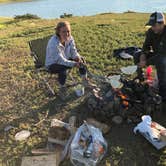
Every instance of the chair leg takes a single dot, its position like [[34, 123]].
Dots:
[[49, 87], [71, 77], [74, 81], [52, 92]]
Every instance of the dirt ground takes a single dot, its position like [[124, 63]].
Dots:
[[124, 147]]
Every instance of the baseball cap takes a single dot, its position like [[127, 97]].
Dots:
[[156, 17]]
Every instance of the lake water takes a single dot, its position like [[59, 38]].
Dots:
[[54, 8]]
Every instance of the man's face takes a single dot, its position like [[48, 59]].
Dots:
[[158, 28], [65, 33]]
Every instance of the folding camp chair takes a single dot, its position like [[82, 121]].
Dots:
[[38, 52]]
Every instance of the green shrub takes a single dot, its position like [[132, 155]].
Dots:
[[26, 17], [130, 11], [65, 15]]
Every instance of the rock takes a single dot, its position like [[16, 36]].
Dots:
[[117, 119], [60, 133], [92, 103], [109, 107], [103, 127], [108, 94]]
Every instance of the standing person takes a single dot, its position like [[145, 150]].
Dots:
[[61, 54], [154, 50]]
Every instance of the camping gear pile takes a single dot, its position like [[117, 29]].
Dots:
[[129, 98], [84, 146]]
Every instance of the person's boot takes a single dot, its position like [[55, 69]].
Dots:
[[62, 92]]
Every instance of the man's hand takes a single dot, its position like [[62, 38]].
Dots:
[[142, 61]]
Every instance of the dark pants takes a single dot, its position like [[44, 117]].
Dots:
[[160, 63], [161, 73], [61, 70]]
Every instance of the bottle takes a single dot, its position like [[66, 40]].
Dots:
[[149, 77], [89, 150]]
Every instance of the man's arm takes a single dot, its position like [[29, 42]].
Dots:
[[162, 46], [146, 48], [147, 43]]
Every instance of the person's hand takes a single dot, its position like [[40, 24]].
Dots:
[[78, 59], [142, 63], [77, 64]]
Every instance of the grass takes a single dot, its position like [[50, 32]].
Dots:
[[24, 100]]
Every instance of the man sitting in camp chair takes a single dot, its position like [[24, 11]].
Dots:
[[61, 55], [155, 44]]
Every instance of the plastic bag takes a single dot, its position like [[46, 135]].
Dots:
[[88, 146]]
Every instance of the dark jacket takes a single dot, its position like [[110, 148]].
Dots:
[[155, 42]]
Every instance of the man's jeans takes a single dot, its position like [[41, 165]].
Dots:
[[160, 63], [61, 70]]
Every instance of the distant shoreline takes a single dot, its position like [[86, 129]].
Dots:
[[50, 9], [104, 13]]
